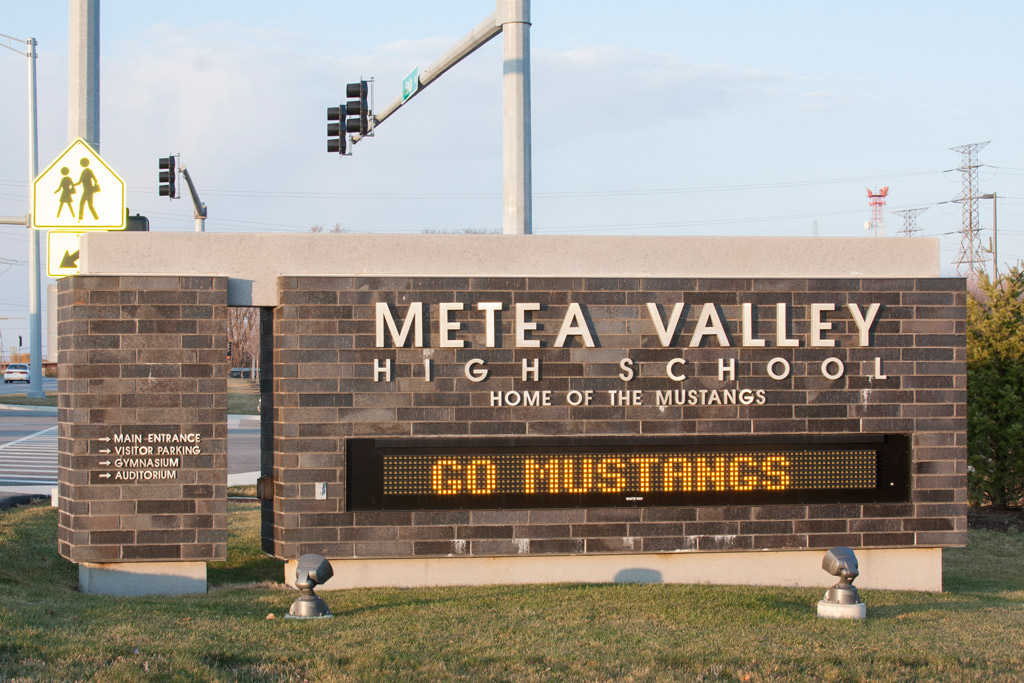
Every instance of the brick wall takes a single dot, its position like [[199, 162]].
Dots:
[[141, 356], [321, 391]]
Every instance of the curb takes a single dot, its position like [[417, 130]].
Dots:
[[47, 410]]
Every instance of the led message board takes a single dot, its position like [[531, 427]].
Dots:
[[411, 474]]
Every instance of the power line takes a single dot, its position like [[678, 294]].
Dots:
[[275, 194]]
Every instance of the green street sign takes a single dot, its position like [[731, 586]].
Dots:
[[410, 84]]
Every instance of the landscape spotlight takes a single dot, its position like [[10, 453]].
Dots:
[[311, 571], [841, 600]]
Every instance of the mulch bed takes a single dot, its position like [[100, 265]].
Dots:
[[995, 518]]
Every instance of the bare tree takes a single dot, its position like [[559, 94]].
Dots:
[[244, 336], [462, 231], [317, 228], [244, 326]]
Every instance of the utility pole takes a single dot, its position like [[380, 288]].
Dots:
[[994, 242], [35, 321], [35, 367], [35, 328]]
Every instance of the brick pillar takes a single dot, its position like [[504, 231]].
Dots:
[[142, 413]]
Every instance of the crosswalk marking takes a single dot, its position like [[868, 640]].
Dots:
[[30, 460]]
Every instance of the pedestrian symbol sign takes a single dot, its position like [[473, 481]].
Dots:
[[78, 191]]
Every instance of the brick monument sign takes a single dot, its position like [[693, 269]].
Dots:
[[472, 409], [143, 420]]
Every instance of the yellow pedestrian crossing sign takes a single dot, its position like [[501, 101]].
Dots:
[[78, 191]]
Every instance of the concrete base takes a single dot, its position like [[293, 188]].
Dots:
[[832, 610], [918, 569], [254, 261], [143, 578]]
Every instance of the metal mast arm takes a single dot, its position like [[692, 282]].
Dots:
[[484, 31], [198, 208], [512, 18], [10, 44]]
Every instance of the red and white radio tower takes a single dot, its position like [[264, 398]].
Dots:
[[877, 202]]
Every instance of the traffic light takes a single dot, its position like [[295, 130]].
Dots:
[[136, 223], [335, 130], [167, 177], [357, 108]]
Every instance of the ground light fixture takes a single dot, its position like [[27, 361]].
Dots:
[[841, 600], [312, 570]]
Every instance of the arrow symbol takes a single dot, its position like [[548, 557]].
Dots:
[[105, 450], [104, 476], [103, 438], [104, 462], [69, 260]]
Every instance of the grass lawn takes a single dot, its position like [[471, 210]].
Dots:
[[242, 404], [23, 400], [50, 631]]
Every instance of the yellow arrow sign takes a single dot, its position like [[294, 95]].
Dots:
[[78, 191], [62, 252]]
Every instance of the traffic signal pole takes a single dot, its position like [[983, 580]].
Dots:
[[483, 32], [512, 19], [198, 208], [517, 193]]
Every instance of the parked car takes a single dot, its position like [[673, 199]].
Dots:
[[16, 372]]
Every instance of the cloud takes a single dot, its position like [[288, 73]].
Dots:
[[629, 82], [824, 99], [246, 109]]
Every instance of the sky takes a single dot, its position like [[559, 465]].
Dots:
[[666, 118]]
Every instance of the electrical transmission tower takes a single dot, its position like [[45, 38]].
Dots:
[[877, 202], [910, 228], [969, 259]]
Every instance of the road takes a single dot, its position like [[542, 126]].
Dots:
[[19, 424], [28, 450]]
